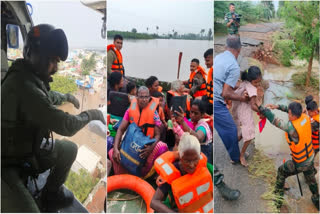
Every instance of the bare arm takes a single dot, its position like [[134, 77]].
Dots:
[[253, 104], [157, 205], [122, 128], [229, 94], [229, 23]]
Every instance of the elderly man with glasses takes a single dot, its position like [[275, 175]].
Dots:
[[143, 112]]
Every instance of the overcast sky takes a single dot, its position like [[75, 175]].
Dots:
[[81, 24], [184, 16]]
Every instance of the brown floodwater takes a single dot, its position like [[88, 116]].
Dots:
[[272, 140]]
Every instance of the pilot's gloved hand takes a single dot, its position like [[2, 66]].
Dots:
[[95, 114], [72, 99]]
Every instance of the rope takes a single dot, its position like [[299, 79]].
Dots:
[[123, 199]]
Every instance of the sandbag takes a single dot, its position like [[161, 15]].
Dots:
[[131, 147]]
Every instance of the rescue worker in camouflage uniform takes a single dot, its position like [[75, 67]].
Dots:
[[298, 134], [229, 20], [28, 119]]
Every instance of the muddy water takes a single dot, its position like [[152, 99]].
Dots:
[[272, 140], [85, 136], [159, 57]]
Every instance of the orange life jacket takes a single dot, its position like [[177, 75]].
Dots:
[[210, 86], [188, 102], [117, 64], [191, 192], [144, 119], [303, 149], [203, 89], [315, 134]]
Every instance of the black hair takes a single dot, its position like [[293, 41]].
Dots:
[[117, 36], [208, 52], [252, 73], [296, 109], [311, 104], [150, 81], [157, 94], [231, 4], [195, 60], [201, 105], [130, 86], [114, 79]]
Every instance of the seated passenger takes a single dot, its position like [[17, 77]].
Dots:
[[189, 174], [202, 130], [152, 84], [131, 90], [142, 111]]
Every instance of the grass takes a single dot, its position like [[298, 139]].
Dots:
[[262, 167], [299, 80]]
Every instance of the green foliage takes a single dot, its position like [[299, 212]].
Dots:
[[81, 184], [251, 13], [134, 30], [130, 35], [173, 35], [302, 18], [284, 48], [299, 79], [80, 56], [63, 84], [88, 64]]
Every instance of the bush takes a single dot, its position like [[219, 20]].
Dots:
[[81, 184], [299, 79], [63, 84], [284, 49]]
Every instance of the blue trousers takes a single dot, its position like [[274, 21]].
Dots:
[[227, 129], [207, 150]]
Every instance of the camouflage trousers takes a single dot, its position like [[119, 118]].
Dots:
[[218, 176], [289, 168]]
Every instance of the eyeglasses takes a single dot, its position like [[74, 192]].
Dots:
[[144, 97]]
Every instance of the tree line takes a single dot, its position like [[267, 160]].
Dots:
[[134, 34]]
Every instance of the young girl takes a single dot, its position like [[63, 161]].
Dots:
[[313, 112], [242, 111], [131, 90]]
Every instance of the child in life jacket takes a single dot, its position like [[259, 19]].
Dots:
[[242, 111], [313, 112], [188, 173]]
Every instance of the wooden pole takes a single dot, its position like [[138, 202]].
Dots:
[[179, 63]]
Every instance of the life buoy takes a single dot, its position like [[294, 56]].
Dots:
[[133, 183]]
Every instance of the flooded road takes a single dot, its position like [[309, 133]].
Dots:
[[159, 57], [85, 137]]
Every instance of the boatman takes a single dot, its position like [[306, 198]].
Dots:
[[298, 135], [208, 58], [197, 79], [114, 56], [29, 118], [230, 20]]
